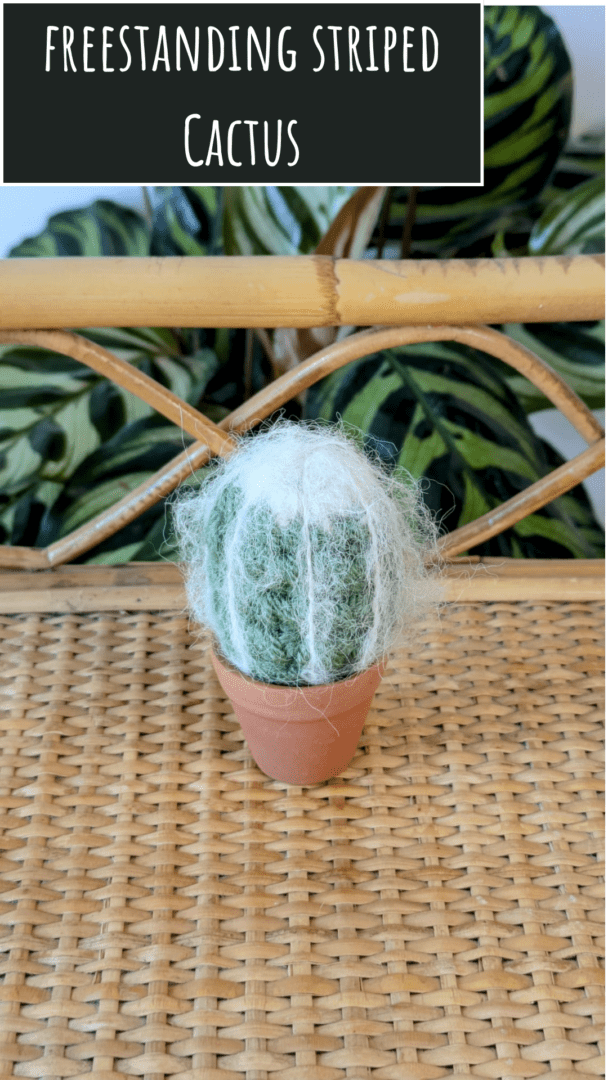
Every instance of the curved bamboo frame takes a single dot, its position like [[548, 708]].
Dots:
[[216, 440]]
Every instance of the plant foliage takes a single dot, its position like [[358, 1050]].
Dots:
[[444, 412], [71, 443]]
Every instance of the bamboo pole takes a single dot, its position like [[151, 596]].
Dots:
[[298, 291], [159, 587]]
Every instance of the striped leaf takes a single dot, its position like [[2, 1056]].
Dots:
[[186, 221], [52, 424], [279, 220], [576, 350], [126, 460], [572, 225], [103, 228], [582, 159], [445, 413], [59, 414], [527, 108]]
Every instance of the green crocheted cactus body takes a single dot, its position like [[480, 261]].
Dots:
[[269, 584]]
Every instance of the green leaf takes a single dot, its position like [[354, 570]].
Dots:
[[582, 159], [279, 220], [575, 350], [106, 409], [48, 439], [61, 411], [445, 412], [141, 446], [127, 459], [37, 454], [574, 224], [130, 342], [31, 397], [202, 366], [41, 361], [102, 228], [27, 516], [186, 221], [95, 499], [527, 108]]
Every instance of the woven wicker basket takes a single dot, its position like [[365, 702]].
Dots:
[[166, 910]]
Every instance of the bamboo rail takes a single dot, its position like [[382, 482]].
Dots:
[[298, 291], [160, 586]]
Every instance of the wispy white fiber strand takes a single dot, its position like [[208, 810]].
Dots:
[[240, 656], [308, 479]]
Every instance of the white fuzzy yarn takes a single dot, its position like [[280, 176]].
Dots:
[[312, 482]]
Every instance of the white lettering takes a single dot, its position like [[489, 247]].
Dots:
[[372, 63], [321, 53], [230, 135], [235, 67], [390, 40], [334, 30], [181, 37], [353, 41], [211, 56], [290, 52], [215, 144], [425, 56], [251, 124], [252, 37], [189, 159], [294, 144], [105, 46], [49, 47], [161, 55], [142, 44], [407, 45], [68, 37], [125, 47], [86, 44], [266, 150]]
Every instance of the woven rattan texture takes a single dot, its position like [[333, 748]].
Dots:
[[167, 911]]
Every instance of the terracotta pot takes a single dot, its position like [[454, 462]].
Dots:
[[300, 734]]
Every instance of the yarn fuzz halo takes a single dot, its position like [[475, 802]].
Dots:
[[306, 559]]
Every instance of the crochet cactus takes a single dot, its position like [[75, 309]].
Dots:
[[304, 558]]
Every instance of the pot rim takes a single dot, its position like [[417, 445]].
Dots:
[[219, 656]]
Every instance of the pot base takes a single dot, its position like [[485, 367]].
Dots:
[[300, 734]]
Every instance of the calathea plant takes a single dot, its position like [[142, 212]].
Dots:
[[71, 444]]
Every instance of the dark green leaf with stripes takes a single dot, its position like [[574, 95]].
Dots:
[[527, 108], [106, 409], [48, 439], [186, 221], [574, 224], [102, 228], [279, 220], [444, 412]]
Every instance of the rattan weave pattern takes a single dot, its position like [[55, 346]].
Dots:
[[167, 911]]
